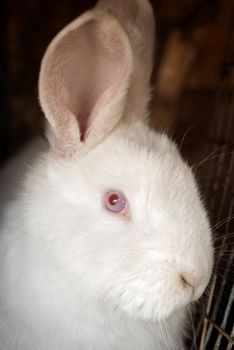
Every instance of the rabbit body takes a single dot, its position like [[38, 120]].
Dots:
[[73, 274], [45, 240], [40, 310]]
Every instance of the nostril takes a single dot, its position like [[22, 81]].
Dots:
[[190, 280], [185, 283]]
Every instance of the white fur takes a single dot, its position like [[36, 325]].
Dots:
[[74, 276]]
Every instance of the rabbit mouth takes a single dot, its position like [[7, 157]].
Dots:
[[154, 303], [158, 297], [157, 300]]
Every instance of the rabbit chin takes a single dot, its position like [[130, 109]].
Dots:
[[151, 308]]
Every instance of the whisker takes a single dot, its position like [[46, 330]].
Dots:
[[223, 236], [226, 251], [213, 155], [185, 134], [225, 245], [222, 222]]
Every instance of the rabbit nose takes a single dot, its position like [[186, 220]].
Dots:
[[191, 280]]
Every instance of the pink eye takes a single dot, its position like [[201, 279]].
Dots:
[[115, 202]]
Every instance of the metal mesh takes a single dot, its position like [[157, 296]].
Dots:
[[215, 330]]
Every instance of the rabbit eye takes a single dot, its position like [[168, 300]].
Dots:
[[115, 202]]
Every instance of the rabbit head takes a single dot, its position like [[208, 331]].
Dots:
[[123, 210]]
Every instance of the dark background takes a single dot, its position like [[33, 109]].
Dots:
[[193, 101], [195, 33]]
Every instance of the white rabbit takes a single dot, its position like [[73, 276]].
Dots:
[[106, 243]]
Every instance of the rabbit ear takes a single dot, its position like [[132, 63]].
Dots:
[[84, 78], [137, 18]]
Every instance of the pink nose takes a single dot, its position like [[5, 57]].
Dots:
[[191, 280]]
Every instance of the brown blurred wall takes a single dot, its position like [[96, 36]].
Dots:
[[191, 41]]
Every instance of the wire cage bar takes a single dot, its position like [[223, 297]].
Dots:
[[215, 327]]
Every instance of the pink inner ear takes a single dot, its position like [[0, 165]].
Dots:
[[88, 61]]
